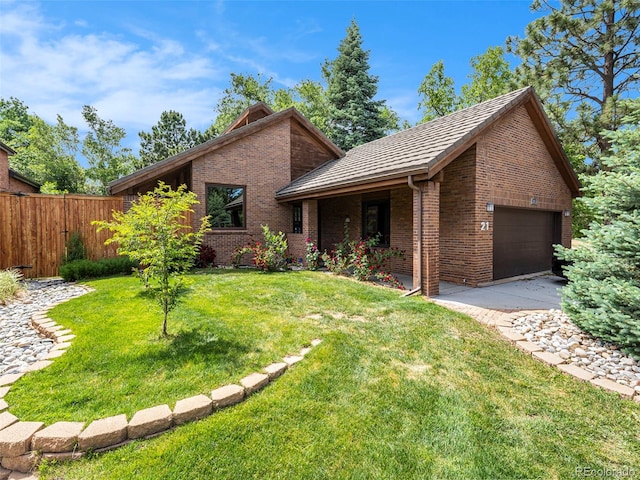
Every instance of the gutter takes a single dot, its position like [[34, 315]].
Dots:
[[415, 188]]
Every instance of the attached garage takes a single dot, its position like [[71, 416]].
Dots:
[[523, 241]]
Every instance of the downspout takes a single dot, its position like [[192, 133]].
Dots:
[[419, 233]]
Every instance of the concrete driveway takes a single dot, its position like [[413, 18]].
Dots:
[[537, 293]]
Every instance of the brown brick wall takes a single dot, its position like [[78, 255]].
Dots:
[[519, 167], [306, 152], [260, 163], [18, 186], [429, 279], [402, 229], [4, 171], [458, 230], [508, 166]]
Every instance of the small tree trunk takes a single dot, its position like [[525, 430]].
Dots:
[[164, 322]]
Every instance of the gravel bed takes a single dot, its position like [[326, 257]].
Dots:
[[20, 345], [554, 332]]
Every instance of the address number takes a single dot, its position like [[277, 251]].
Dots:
[[484, 226]]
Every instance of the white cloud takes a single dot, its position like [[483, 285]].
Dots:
[[56, 71]]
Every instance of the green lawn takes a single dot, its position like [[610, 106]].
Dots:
[[399, 388]]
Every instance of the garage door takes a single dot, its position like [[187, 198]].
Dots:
[[523, 241]]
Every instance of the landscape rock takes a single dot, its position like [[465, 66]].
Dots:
[[149, 421], [192, 408], [554, 332], [57, 438], [15, 440], [103, 433], [226, 396], [23, 463], [254, 382]]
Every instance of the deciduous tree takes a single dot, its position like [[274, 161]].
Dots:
[[153, 232], [108, 160]]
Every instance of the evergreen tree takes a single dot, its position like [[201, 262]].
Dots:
[[354, 116], [603, 293], [583, 55], [168, 137]]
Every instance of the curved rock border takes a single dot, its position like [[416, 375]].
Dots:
[[24, 444], [503, 323]]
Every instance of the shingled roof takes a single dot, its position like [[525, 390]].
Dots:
[[425, 149]]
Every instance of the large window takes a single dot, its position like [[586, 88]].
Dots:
[[376, 220], [226, 206]]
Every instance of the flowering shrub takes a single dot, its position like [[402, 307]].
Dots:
[[269, 255], [363, 260], [312, 256]]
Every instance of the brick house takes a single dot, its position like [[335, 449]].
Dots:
[[10, 180], [475, 196]]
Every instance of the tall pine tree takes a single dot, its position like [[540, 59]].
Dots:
[[354, 116]]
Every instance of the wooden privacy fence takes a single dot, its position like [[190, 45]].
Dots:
[[34, 229]]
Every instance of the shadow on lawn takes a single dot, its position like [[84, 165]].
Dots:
[[195, 345]]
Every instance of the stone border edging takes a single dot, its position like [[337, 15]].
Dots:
[[24, 444], [503, 323]]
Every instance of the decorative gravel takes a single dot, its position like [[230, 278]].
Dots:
[[554, 332], [20, 345]]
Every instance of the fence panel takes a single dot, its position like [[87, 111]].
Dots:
[[34, 229]]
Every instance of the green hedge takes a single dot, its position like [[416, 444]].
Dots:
[[81, 269]]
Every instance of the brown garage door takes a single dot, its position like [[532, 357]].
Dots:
[[523, 241]]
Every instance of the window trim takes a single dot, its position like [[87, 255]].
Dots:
[[244, 205]]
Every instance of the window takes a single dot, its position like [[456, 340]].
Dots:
[[226, 206], [297, 218], [376, 220]]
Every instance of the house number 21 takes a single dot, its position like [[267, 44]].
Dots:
[[484, 226]]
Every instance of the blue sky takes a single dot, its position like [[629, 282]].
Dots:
[[134, 59]]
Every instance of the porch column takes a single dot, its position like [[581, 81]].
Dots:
[[426, 256], [310, 219]]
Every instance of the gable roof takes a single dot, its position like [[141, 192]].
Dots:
[[251, 114], [175, 162], [426, 149]]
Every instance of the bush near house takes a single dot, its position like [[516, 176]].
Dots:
[[270, 255], [364, 260], [206, 257]]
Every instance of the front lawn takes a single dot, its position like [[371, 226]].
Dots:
[[399, 388]]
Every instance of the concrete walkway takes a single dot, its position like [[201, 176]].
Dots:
[[537, 293]]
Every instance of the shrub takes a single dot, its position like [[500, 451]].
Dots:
[[268, 256], [312, 256], [74, 248], [83, 269], [604, 273], [9, 284], [206, 257], [363, 260]]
